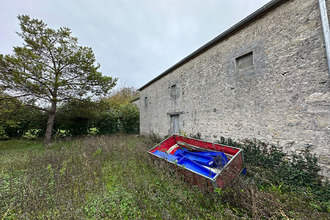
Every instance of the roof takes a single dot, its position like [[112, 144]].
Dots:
[[232, 30], [135, 99]]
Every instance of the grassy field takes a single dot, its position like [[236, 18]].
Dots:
[[112, 177]]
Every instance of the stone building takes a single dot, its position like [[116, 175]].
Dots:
[[136, 101], [266, 77]]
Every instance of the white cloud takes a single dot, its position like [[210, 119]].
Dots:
[[133, 40]]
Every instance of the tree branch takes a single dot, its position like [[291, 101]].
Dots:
[[14, 97], [36, 107]]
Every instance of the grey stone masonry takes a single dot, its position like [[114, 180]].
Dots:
[[268, 80]]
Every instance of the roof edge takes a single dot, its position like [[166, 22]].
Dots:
[[135, 99], [238, 26]]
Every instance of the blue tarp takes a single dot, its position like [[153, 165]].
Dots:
[[196, 161], [201, 159], [220, 159], [166, 156], [191, 165]]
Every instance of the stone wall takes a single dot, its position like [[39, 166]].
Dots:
[[279, 95]]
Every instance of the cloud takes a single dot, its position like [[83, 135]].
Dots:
[[132, 40]]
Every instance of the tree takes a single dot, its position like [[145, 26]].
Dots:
[[122, 96], [129, 116], [122, 115], [50, 68], [76, 117], [16, 119], [8, 107]]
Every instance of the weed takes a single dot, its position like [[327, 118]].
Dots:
[[112, 177]]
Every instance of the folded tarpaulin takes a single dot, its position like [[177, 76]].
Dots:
[[198, 158], [219, 158], [193, 166], [184, 161], [166, 156], [211, 165]]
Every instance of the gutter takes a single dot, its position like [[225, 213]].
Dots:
[[326, 30], [135, 99], [229, 32]]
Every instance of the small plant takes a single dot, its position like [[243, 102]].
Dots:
[[182, 133], [272, 167], [112, 177], [196, 136], [155, 138]]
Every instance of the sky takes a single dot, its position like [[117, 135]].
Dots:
[[133, 40]]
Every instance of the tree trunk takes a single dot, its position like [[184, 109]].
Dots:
[[50, 124]]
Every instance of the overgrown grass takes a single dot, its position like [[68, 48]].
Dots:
[[294, 173], [15, 153], [112, 177]]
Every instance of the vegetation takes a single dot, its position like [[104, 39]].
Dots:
[[269, 165], [74, 117], [112, 177], [50, 68], [16, 119]]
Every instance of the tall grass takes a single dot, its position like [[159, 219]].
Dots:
[[15, 153], [112, 177]]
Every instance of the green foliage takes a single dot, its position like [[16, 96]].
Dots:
[[76, 117], [118, 113], [107, 122], [296, 171], [129, 118], [51, 65], [49, 68], [9, 108], [16, 119], [25, 120], [121, 97], [112, 177]]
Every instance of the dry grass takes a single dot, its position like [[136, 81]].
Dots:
[[112, 177]]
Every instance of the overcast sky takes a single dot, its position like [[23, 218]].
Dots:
[[133, 40]]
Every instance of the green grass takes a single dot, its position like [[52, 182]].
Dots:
[[112, 177], [16, 152]]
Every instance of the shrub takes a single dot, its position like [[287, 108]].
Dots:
[[297, 171], [21, 121], [107, 122], [112, 177], [129, 118], [76, 117]]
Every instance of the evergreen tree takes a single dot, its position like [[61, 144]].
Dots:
[[50, 68]]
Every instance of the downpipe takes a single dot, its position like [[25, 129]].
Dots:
[[326, 30]]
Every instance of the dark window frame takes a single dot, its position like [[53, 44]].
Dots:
[[242, 66], [146, 101], [173, 91]]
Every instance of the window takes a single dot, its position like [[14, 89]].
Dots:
[[175, 124], [245, 64], [173, 91], [146, 101]]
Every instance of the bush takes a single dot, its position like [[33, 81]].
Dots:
[[107, 122], [129, 118], [76, 117], [297, 171], [112, 177], [21, 121]]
